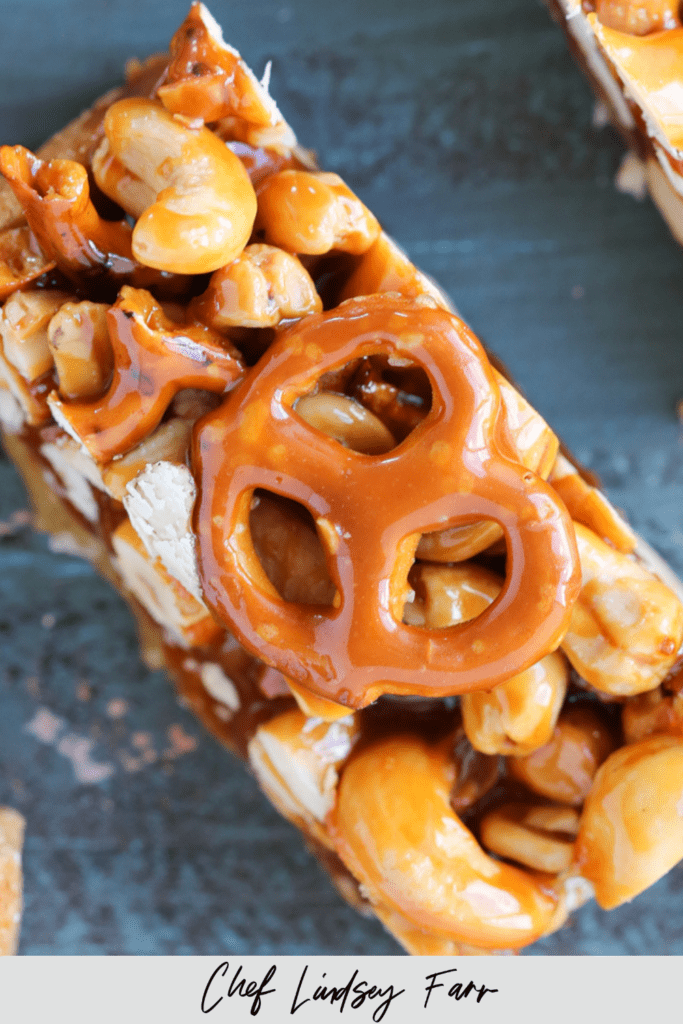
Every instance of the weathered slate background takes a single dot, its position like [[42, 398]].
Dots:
[[466, 128]]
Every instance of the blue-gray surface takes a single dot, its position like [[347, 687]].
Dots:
[[465, 126]]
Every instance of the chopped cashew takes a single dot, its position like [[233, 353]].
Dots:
[[78, 340], [159, 502]]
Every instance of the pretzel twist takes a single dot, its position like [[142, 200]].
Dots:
[[154, 359], [370, 511]]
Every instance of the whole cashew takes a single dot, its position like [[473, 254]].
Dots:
[[631, 829], [194, 200], [394, 828], [263, 286], [312, 213], [517, 716]]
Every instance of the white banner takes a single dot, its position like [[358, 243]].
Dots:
[[316, 990]]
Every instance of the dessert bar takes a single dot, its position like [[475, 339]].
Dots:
[[632, 53], [361, 554]]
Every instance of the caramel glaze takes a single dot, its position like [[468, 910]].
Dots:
[[87, 249], [154, 359], [456, 467], [207, 81]]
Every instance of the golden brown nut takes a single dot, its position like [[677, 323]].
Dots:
[[78, 339], [313, 212], [520, 715], [290, 552], [192, 196], [626, 627], [24, 321], [395, 830], [348, 421], [208, 79], [563, 769], [263, 286], [161, 595], [638, 17], [631, 830], [446, 595], [537, 837]]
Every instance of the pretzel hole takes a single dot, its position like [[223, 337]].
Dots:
[[394, 389], [290, 552]]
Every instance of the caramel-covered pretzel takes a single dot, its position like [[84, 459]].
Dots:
[[154, 359], [56, 200], [21, 260], [370, 511]]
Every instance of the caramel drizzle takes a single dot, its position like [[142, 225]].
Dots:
[[154, 359]]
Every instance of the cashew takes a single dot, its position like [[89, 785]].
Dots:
[[203, 204], [79, 342], [537, 837], [448, 595], [348, 421], [520, 715], [638, 17], [314, 706], [24, 323], [312, 213], [394, 829], [626, 627], [170, 442], [290, 552], [27, 402], [208, 79], [631, 830], [159, 502], [563, 769], [477, 773], [263, 286]]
